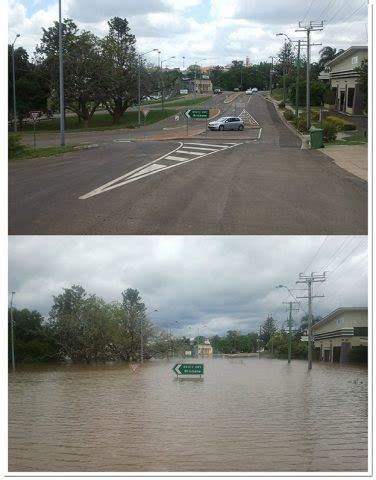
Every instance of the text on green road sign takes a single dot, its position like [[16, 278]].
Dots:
[[197, 113], [189, 369]]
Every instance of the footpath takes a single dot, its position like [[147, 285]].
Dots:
[[352, 158]]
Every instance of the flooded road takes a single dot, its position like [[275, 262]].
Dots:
[[246, 415]]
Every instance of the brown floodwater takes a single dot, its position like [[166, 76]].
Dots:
[[246, 415]]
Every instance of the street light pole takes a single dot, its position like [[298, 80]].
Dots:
[[271, 76], [12, 333], [61, 81], [14, 87], [139, 82], [162, 61]]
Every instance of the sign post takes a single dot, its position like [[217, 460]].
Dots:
[[145, 112], [189, 369], [34, 115]]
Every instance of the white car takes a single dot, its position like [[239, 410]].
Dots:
[[227, 123], [248, 92], [254, 89]]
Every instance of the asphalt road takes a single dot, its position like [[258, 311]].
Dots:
[[212, 183]]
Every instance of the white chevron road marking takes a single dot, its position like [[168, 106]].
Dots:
[[154, 167]]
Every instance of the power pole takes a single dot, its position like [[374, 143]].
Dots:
[[299, 42], [308, 280], [311, 27], [290, 328]]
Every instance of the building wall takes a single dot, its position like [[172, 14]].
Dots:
[[351, 62], [345, 79], [337, 349]]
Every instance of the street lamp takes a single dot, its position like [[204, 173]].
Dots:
[[139, 82], [284, 64], [162, 61], [14, 87], [271, 76], [61, 81], [12, 333]]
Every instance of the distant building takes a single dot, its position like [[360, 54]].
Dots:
[[247, 61], [340, 331], [344, 79], [205, 349], [198, 85]]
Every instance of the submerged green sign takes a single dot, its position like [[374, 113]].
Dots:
[[189, 369], [197, 113]]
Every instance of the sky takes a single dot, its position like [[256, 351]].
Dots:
[[203, 284], [207, 32]]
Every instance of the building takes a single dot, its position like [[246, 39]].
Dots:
[[198, 85], [339, 332], [205, 349], [344, 80]]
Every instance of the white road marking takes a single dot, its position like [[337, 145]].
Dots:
[[122, 141], [178, 159], [153, 167], [223, 146], [202, 148], [188, 152], [259, 135]]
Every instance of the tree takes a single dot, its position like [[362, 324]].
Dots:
[[327, 54], [83, 68], [268, 328], [120, 68], [363, 80], [33, 342], [31, 86]]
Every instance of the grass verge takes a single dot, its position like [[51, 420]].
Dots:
[[188, 103], [40, 152], [353, 140], [100, 121]]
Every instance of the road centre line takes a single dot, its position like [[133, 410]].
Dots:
[[145, 171]]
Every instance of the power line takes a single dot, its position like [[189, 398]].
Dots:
[[338, 11], [327, 8], [353, 13], [309, 8], [322, 244]]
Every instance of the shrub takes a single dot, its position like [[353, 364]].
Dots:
[[315, 115], [289, 115], [301, 122], [14, 145], [329, 97], [340, 123], [330, 131], [281, 105]]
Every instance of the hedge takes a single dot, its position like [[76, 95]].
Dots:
[[340, 123]]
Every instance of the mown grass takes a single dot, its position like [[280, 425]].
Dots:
[[353, 140], [27, 153], [100, 121], [188, 103]]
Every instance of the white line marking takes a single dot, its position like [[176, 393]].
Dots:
[[178, 159], [144, 171], [122, 141], [223, 146], [201, 148], [188, 152], [259, 135]]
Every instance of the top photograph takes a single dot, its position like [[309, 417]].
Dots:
[[202, 117]]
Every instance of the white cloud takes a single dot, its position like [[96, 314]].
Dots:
[[222, 282]]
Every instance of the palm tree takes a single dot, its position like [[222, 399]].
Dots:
[[327, 54]]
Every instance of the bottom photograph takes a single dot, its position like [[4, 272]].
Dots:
[[188, 354]]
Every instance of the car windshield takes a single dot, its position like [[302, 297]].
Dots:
[[222, 119]]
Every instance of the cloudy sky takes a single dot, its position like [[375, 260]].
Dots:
[[211, 283], [209, 32]]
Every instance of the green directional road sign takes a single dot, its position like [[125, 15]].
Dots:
[[189, 369], [197, 113]]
